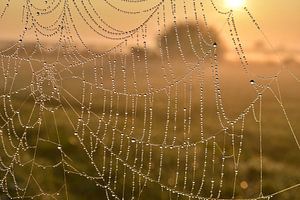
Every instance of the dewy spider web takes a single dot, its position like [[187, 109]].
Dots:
[[78, 123]]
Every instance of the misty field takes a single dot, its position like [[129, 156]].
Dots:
[[65, 139]]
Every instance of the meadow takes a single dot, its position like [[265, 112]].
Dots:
[[84, 129]]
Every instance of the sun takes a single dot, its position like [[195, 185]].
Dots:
[[234, 4]]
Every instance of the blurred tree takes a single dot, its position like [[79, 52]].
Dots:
[[193, 39]]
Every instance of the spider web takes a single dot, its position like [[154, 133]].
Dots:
[[125, 122]]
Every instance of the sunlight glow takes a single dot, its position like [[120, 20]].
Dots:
[[234, 4]]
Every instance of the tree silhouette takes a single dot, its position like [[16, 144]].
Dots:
[[191, 40]]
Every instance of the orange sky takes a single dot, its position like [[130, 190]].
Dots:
[[279, 20]]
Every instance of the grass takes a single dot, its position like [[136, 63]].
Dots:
[[280, 153]]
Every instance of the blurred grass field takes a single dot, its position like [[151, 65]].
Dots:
[[281, 159]]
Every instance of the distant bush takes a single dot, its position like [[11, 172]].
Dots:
[[194, 38]]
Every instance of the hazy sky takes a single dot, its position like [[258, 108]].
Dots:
[[279, 19]]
